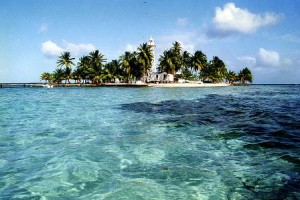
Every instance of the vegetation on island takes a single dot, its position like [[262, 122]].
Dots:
[[94, 68]]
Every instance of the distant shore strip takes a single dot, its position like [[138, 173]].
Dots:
[[168, 85]]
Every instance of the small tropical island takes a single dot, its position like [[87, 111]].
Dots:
[[176, 68]]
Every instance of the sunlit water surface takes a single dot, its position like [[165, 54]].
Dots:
[[150, 143]]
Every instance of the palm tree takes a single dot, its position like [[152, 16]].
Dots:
[[166, 63], [199, 61], [126, 64], [187, 59], [76, 75], [113, 71], [66, 60], [214, 71], [136, 67], [172, 60], [96, 63], [245, 75], [231, 76], [58, 75], [218, 69], [186, 74], [84, 68], [177, 58], [145, 58], [46, 76]]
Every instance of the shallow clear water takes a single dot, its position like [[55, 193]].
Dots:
[[150, 143]]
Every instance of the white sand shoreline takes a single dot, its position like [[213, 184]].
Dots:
[[165, 85], [189, 85]]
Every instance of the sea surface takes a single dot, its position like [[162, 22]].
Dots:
[[150, 143]]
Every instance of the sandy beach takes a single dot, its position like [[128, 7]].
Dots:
[[167, 85], [189, 85]]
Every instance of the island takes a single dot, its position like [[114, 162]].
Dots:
[[176, 68]]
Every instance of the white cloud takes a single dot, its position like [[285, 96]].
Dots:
[[232, 19], [266, 57], [79, 49], [248, 60], [51, 49], [270, 67], [130, 47], [182, 21], [43, 28]]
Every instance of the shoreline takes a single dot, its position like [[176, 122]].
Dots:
[[189, 85], [163, 85]]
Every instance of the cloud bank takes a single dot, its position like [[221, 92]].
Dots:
[[232, 19], [51, 49], [267, 57], [79, 49], [264, 59]]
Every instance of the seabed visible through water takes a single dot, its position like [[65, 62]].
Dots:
[[150, 143]]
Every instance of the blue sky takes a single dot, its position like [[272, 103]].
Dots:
[[261, 35]]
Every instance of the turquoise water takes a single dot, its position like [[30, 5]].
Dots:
[[150, 143]]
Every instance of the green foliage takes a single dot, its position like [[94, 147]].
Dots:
[[137, 68], [96, 65], [172, 59], [177, 58], [198, 61], [187, 60], [215, 71], [76, 76], [145, 58], [58, 75], [137, 64], [112, 71], [84, 68], [166, 63], [187, 75], [245, 76], [128, 63], [66, 60], [46, 76], [231, 77]]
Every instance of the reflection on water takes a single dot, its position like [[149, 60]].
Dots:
[[150, 143]]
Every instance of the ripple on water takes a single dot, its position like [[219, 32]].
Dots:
[[150, 143], [139, 188], [70, 178], [149, 155], [3, 162]]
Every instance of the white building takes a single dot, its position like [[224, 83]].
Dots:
[[154, 76], [152, 46], [164, 77]]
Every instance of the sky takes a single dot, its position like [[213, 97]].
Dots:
[[261, 35]]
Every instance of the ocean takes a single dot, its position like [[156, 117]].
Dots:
[[150, 143]]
